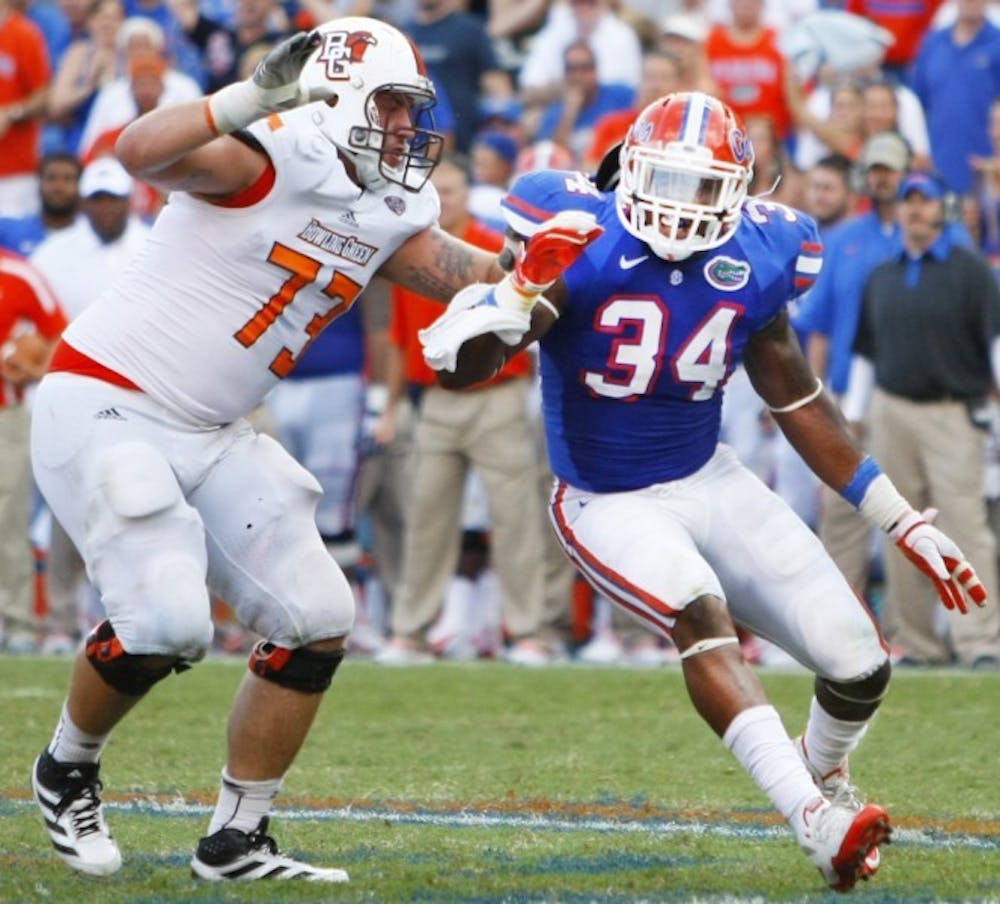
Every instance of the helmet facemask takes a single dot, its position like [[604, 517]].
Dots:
[[419, 155], [680, 199]]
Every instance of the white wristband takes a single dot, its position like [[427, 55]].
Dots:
[[882, 504], [235, 107]]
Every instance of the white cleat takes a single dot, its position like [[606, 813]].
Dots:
[[836, 786], [69, 796], [842, 842], [236, 856]]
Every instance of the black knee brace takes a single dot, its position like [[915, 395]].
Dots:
[[308, 671], [127, 673], [854, 701]]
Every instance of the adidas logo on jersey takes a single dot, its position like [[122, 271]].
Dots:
[[109, 414], [348, 219]]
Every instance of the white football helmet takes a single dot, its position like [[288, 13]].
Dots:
[[357, 59], [686, 165]]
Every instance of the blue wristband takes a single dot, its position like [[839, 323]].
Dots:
[[855, 490]]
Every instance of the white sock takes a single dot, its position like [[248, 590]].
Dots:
[[70, 744], [759, 741], [828, 740], [242, 805]]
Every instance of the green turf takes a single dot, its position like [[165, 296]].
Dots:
[[594, 785]]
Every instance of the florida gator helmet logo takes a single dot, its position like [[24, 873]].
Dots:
[[343, 48]]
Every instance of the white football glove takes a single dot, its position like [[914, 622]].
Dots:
[[937, 556], [273, 87], [473, 311]]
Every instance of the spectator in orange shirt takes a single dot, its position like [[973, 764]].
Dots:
[[746, 64], [907, 21], [25, 298], [487, 428], [24, 84], [660, 75]]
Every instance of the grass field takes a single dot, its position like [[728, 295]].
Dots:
[[488, 783]]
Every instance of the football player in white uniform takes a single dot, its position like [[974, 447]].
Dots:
[[289, 192]]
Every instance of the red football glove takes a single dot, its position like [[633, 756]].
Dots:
[[937, 556], [554, 248]]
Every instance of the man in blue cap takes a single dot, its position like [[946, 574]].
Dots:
[[927, 356]]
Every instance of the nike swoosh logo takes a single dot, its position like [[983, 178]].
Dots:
[[627, 263]]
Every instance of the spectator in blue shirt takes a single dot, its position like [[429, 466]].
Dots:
[[459, 56], [570, 120], [957, 76]]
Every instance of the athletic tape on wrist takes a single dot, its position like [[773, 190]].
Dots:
[[858, 485], [883, 505], [234, 107]]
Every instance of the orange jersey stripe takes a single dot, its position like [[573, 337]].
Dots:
[[69, 360], [252, 193]]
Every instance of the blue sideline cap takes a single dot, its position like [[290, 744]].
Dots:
[[500, 143], [506, 109], [924, 183]]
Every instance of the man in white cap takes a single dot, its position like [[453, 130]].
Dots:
[[82, 260], [79, 263]]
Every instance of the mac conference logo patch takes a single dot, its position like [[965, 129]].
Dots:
[[727, 274]]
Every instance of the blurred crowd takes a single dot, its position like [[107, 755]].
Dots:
[[450, 557]]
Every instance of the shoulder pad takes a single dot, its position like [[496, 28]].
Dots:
[[536, 197], [792, 237]]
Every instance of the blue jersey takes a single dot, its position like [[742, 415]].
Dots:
[[634, 369], [22, 234], [338, 349]]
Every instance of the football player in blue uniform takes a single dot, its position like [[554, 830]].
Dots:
[[654, 292]]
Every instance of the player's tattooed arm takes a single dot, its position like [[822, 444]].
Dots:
[[438, 265]]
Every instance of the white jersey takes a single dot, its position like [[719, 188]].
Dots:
[[222, 301]]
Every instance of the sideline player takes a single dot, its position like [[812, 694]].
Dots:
[[637, 340], [289, 192]]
